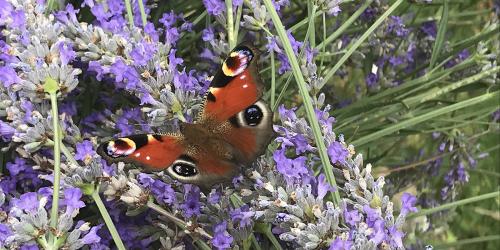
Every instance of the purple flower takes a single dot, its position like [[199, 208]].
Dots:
[[151, 31], [8, 76], [222, 239], [72, 198], [464, 54], [396, 237], [290, 168], [115, 7], [371, 80], [397, 27], [67, 54], [284, 63], [5, 10], [18, 19], [28, 202], [84, 151], [352, 218], [339, 244], [208, 34], [333, 8], [91, 237], [379, 232], [371, 215], [123, 123], [408, 202], [17, 166], [323, 186], [4, 233], [396, 60], [272, 44], [142, 53], [67, 15], [429, 28], [280, 3], [191, 206], [163, 192], [337, 152], [214, 197], [69, 107], [168, 19], [99, 12], [171, 35], [125, 74], [6, 131], [243, 215], [29, 247], [214, 7]]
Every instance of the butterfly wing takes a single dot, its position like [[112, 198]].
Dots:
[[234, 97], [149, 151], [235, 86], [188, 163]]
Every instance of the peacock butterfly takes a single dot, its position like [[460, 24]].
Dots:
[[231, 131]]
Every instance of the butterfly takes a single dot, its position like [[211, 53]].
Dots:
[[230, 132]]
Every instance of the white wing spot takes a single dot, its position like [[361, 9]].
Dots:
[[245, 86], [148, 158], [137, 154], [243, 77]]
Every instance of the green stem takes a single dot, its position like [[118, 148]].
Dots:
[[265, 229], [107, 219], [68, 155], [130, 16], [57, 160], [43, 243], [440, 37], [237, 23], [455, 204], [180, 223], [143, 13], [361, 39], [273, 80], [311, 7], [230, 24], [311, 116]]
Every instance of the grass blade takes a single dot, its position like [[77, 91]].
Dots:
[[440, 35], [311, 116], [416, 120], [358, 42]]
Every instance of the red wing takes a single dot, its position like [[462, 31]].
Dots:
[[235, 86], [153, 152]]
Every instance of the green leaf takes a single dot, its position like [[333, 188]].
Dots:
[[440, 35], [425, 117]]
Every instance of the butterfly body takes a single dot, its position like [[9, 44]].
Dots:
[[233, 129]]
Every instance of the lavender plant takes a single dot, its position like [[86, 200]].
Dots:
[[389, 83]]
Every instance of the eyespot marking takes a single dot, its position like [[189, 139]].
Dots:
[[237, 61], [253, 115], [120, 147]]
